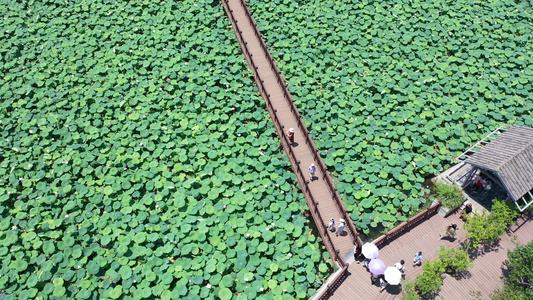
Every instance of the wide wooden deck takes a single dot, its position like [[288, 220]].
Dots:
[[487, 274], [485, 277], [321, 195]]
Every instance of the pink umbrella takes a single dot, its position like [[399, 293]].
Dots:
[[377, 266]]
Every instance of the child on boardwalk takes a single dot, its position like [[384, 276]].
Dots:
[[331, 225], [290, 134], [417, 260]]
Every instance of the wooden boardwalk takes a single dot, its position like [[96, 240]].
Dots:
[[353, 281], [487, 273], [485, 277], [321, 195]]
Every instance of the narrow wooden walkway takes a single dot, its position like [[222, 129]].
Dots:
[[321, 195]]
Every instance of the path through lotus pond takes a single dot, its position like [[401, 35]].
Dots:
[[138, 160], [393, 90]]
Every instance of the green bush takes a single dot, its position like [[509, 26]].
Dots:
[[409, 291], [483, 228], [431, 279], [503, 213], [450, 196], [455, 259], [519, 283]]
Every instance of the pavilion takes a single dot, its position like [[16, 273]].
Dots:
[[504, 157]]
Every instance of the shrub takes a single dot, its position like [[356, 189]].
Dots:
[[455, 259], [519, 282], [450, 196], [431, 279], [484, 228], [503, 213], [409, 291]]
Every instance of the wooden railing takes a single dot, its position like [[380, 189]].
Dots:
[[325, 234], [356, 239], [387, 237], [332, 285], [312, 203]]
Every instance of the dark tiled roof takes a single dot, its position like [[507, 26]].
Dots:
[[510, 155]]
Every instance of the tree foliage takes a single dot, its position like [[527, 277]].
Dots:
[[431, 279], [519, 282], [409, 291], [455, 259], [483, 228]]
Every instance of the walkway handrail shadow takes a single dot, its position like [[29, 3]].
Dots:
[[405, 226]]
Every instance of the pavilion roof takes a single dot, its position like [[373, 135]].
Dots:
[[510, 156]]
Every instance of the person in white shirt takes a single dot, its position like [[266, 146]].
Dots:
[[312, 172], [401, 267], [341, 227]]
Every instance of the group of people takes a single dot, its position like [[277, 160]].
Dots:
[[481, 182], [417, 261], [338, 230]]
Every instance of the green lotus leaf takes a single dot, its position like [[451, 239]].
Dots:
[[225, 294], [227, 281], [116, 292], [19, 265], [125, 272], [59, 291]]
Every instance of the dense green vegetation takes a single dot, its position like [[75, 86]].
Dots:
[[483, 228], [430, 281], [137, 161], [518, 282], [450, 196], [393, 90], [455, 259]]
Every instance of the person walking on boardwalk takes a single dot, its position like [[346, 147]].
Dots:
[[331, 225], [290, 134], [401, 267], [312, 171], [358, 253], [341, 227], [417, 260], [451, 231]]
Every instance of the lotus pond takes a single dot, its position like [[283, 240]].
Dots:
[[393, 90], [138, 160]]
